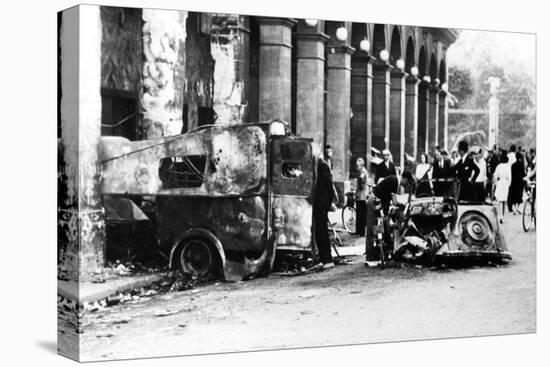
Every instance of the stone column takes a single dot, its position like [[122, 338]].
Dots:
[[338, 113], [361, 107], [423, 117], [81, 213], [230, 50], [411, 116], [381, 105], [310, 83], [433, 133], [443, 122], [397, 116], [164, 60], [275, 68]]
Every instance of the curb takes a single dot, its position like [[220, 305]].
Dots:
[[91, 292]]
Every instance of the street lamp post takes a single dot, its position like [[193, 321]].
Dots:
[[493, 111]]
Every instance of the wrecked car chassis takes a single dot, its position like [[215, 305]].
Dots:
[[228, 197], [439, 230]]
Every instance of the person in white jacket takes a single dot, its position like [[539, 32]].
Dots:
[[502, 179]]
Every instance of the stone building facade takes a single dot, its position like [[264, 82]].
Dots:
[[177, 70], [355, 86]]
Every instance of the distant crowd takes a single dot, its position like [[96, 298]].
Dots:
[[495, 175], [483, 175]]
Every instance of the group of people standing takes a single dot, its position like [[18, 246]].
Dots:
[[510, 170], [483, 175]]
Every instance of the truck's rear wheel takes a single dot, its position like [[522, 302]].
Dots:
[[198, 258]]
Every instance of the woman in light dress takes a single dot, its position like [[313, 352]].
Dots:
[[422, 167], [502, 179], [423, 172]]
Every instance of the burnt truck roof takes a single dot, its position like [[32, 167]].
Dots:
[[209, 160]]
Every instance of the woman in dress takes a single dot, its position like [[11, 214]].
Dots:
[[502, 178], [422, 171], [517, 184], [422, 167]]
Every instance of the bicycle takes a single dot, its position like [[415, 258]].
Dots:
[[334, 238], [349, 213], [529, 214]]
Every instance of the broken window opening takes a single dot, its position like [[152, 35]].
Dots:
[[182, 171], [292, 170], [118, 113]]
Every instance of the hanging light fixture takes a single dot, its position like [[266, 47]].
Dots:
[[414, 71], [427, 78], [400, 64], [364, 45], [312, 22], [342, 33], [445, 87], [437, 81], [384, 55]]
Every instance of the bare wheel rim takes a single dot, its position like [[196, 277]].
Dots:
[[527, 216], [348, 218], [196, 258]]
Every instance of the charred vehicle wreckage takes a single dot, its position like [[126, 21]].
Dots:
[[440, 230], [226, 197], [227, 200]]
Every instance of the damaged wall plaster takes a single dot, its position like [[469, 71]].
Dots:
[[164, 61], [229, 49], [121, 48]]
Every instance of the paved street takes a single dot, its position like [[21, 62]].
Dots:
[[345, 305]]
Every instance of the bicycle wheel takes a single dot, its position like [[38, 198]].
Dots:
[[348, 218], [534, 212], [527, 215]]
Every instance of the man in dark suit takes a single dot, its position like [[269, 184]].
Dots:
[[466, 170], [386, 168], [324, 195], [441, 169]]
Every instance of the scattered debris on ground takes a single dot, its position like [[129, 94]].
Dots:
[[115, 270]]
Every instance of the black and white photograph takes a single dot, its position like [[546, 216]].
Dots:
[[232, 183], [274, 183]]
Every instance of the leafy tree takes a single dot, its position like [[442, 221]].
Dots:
[[516, 95], [460, 86]]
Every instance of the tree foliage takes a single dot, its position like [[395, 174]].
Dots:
[[461, 86], [471, 90]]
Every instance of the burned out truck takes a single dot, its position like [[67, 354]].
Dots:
[[227, 197]]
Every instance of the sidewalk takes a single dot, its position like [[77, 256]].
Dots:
[[91, 292]]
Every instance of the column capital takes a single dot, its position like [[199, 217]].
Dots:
[[343, 49], [434, 88], [289, 22], [396, 73], [425, 84], [382, 66], [361, 65], [364, 56], [411, 79], [318, 36], [310, 45]]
